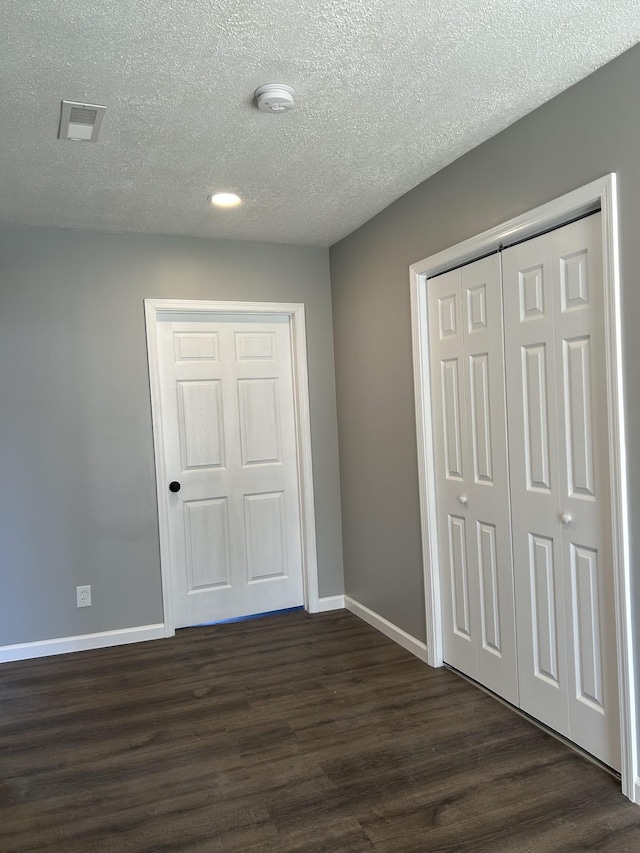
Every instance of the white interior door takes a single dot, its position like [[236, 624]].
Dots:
[[557, 410], [474, 528], [228, 421]]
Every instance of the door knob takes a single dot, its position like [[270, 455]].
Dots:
[[566, 519], [174, 486], [464, 500]]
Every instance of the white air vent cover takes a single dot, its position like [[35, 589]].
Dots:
[[80, 122]]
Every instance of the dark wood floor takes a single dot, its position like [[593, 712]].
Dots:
[[289, 733]]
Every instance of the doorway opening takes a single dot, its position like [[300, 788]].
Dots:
[[262, 348]]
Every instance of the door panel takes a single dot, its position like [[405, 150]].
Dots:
[[487, 481], [451, 418], [207, 543], [260, 434], [255, 346], [530, 352], [578, 417], [459, 572], [586, 617], [574, 288], [532, 293], [542, 573], [535, 417], [201, 424], [489, 586], [585, 490], [557, 406], [465, 310], [196, 346], [481, 418], [229, 427], [449, 312], [266, 536], [451, 455]]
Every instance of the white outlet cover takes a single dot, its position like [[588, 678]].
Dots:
[[83, 596]]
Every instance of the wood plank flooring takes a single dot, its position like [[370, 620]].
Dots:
[[288, 733]]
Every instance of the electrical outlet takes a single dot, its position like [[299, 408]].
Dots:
[[83, 596]]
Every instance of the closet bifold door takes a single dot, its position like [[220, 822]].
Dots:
[[472, 490], [560, 487]]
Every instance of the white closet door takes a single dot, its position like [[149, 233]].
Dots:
[[556, 387], [535, 490], [466, 334], [459, 581]]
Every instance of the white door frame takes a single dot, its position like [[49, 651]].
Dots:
[[598, 195], [154, 310]]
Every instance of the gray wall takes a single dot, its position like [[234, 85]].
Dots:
[[586, 132], [78, 501]]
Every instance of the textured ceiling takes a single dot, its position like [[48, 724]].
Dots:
[[388, 92]]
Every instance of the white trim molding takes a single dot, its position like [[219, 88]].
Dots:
[[598, 195], [154, 309], [331, 602], [81, 643], [416, 647]]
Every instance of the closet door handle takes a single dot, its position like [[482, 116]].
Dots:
[[566, 519], [464, 500]]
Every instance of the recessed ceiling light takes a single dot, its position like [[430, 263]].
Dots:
[[225, 199]]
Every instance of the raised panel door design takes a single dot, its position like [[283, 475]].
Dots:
[[531, 355], [265, 534], [260, 433], [560, 535], [578, 418], [477, 307], [452, 458], [536, 422], [560, 485], [481, 418], [459, 575], [207, 541], [490, 602], [255, 346], [532, 294], [200, 424], [586, 608], [574, 286], [196, 346], [472, 504], [229, 429], [585, 481], [447, 315], [543, 603], [451, 418], [485, 487]]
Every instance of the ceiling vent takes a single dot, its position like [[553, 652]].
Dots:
[[80, 122]]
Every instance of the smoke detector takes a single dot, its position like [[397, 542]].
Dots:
[[80, 122], [274, 98]]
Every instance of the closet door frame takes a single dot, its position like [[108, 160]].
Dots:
[[599, 195]]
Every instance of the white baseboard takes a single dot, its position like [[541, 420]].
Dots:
[[81, 642], [331, 602], [416, 647]]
